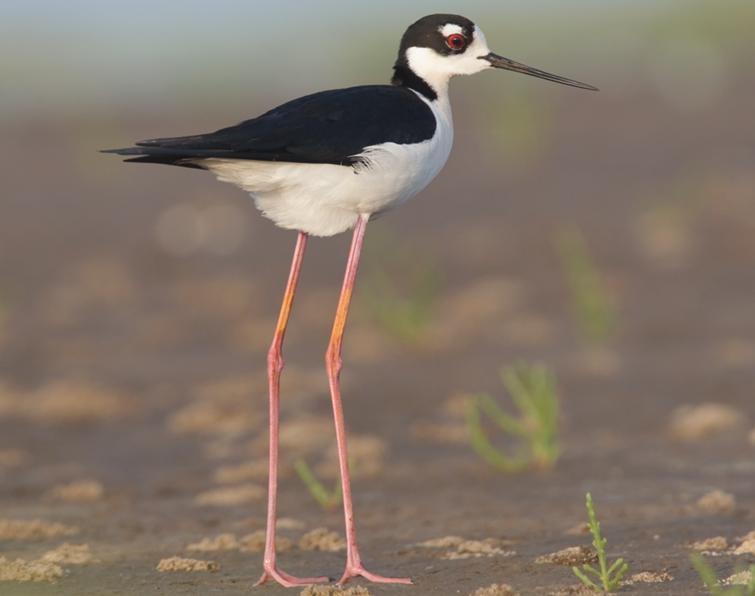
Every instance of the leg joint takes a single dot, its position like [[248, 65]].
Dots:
[[275, 358], [333, 361]]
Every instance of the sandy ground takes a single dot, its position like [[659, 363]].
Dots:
[[132, 389]]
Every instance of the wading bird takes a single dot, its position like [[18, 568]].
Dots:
[[325, 163]]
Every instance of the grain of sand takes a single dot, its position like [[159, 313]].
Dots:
[[648, 577], [334, 591], [69, 554], [494, 590], [457, 547], [78, 491], [747, 546], [694, 423], [12, 458], [19, 570], [215, 543], [742, 578], [715, 544], [230, 496], [716, 502], [66, 402], [33, 529], [322, 539], [176, 564], [571, 555]]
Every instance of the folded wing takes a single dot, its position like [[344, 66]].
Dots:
[[327, 127]]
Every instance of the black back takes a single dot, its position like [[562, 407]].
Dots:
[[327, 127]]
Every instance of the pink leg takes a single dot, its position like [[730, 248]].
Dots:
[[333, 364], [274, 368]]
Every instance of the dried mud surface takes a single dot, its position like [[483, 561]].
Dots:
[[133, 391]]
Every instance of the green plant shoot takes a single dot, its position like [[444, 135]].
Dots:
[[710, 579], [535, 429], [327, 499], [608, 577], [400, 294], [403, 312], [591, 301]]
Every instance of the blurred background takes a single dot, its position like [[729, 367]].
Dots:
[[609, 236]]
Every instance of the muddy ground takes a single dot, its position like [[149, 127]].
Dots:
[[136, 313]]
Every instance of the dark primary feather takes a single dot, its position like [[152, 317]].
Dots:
[[326, 127]]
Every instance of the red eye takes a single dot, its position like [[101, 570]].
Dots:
[[456, 41]]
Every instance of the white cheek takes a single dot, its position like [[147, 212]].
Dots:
[[427, 63], [479, 46], [437, 69], [470, 62]]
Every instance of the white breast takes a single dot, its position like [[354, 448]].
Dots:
[[325, 199]]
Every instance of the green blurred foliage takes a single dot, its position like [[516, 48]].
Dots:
[[710, 579], [535, 428], [592, 304], [326, 498], [399, 293]]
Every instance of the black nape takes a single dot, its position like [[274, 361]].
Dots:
[[403, 76]]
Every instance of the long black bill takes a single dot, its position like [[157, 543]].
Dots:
[[500, 62]]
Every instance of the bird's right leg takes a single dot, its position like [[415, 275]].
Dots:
[[274, 368]]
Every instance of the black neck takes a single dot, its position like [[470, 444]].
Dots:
[[403, 76]]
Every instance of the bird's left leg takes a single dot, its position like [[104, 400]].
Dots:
[[354, 566], [274, 369]]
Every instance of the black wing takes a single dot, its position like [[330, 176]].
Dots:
[[326, 127]]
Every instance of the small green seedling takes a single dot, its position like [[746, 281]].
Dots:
[[608, 576], [327, 499], [593, 305], [710, 579], [400, 294], [532, 388]]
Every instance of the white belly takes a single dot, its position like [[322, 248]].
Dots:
[[325, 199]]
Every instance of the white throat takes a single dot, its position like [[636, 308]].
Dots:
[[424, 62]]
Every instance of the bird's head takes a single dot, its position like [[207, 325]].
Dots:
[[440, 46]]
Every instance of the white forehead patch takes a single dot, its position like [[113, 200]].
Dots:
[[450, 29]]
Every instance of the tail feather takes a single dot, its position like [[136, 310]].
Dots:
[[160, 155], [172, 142]]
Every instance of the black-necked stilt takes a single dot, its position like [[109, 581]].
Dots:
[[325, 163]]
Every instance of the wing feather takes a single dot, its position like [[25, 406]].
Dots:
[[326, 127]]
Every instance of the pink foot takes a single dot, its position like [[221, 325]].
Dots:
[[286, 580], [359, 570]]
